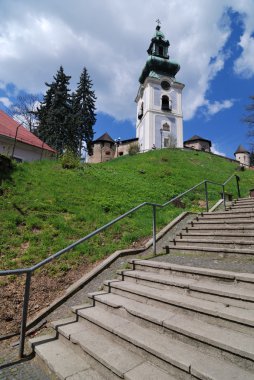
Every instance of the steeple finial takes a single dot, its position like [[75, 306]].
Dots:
[[158, 26]]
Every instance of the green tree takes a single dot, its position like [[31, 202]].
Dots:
[[249, 118], [56, 121], [84, 110]]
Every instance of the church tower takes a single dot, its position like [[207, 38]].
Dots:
[[159, 99]]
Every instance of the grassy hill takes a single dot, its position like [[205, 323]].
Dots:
[[44, 208]]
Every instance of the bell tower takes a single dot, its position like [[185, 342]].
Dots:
[[159, 99]]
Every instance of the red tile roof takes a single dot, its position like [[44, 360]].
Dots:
[[8, 127]]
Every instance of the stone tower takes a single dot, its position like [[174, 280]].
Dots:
[[242, 155], [159, 99]]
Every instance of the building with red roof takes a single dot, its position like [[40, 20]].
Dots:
[[17, 142]]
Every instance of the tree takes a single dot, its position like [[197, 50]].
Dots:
[[56, 121], [24, 110], [84, 110], [249, 119]]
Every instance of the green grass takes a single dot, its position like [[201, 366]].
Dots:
[[44, 208]]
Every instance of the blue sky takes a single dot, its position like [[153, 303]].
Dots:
[[212, 40]]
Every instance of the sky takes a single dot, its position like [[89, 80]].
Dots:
[[212, 40]]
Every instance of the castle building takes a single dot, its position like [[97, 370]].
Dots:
[[198, 143], [159, 99], [242, 155]]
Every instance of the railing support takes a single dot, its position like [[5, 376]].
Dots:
[[224, 197], [154, 229], [206, 197], [24, 315], [238, 186]]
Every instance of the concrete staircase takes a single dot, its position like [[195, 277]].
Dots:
[[163, 321], [225, 232]]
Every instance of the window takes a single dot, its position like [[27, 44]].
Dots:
[[166, 104], [166, 127], [107, 153], [160, 50], [140, 112], [166, 142]]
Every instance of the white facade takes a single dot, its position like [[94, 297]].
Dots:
[[157, 127], [21, 151], [243, 158]]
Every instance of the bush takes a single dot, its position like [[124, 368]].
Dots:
[[70, 160], [6, 166], [133, 149]]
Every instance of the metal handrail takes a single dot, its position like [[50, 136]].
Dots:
[[30, 270]]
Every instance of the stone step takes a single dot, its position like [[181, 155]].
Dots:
[[224, 315], [108, 352], [217, 234], [244, 279], [216, 339], [122, 346], [219, 227], [241, 207], [161, 348], [227, 222], [226, 214], [62, 360], [229, 293], [232, 216], [199, 241], [218, 250]]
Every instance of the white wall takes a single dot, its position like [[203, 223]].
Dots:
[[22, 151]]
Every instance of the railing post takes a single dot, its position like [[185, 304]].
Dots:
[[223, 194], [24, 314], [154, 229], [206, 197], [238, 186]]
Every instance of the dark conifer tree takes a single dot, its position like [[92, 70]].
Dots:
[[84, 110], [56, 121]]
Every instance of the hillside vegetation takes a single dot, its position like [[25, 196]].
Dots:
[[44, 208]]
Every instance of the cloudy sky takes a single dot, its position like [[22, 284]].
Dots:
[[212, 40]]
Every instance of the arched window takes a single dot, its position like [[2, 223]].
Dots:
[[166, 127], [166, 103], [141, 111]]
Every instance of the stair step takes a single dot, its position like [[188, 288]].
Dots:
[[231, 215], [231, 291], [101, 347], [150, 265], [219, 250], [230, 315], [213, 235], [238, 222], [220, 227], [239, 244], [221, 338], [62, 360], [171, 351]]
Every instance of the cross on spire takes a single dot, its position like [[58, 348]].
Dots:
[[158, 21]]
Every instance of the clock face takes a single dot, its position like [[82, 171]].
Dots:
[[165, 85]]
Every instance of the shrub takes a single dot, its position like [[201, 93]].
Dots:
[[70, 160], [133, 149]]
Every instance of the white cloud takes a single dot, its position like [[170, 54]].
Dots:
[[215, 107], [216, 150], [110, 38], [5, 101]]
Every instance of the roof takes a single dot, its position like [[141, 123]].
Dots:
[[10, 127], [197, 138], [129, 140], [104, 137], [241, 149]]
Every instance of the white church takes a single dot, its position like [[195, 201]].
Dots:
[[159, 119], [159, 99], [159, 107]]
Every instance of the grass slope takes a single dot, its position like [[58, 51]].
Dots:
[[44, 208]]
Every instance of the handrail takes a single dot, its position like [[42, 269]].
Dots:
[[30, 270]]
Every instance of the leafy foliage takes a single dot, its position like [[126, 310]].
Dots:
[[249, 119], [65, 119], [84, 110], [134, 148], [70, 160]]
